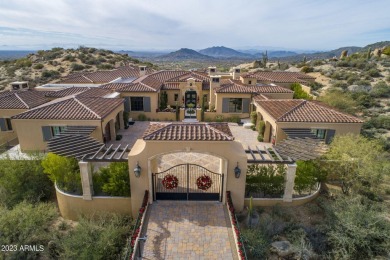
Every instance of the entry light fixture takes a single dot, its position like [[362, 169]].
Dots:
[[137, 170], [237, 171]]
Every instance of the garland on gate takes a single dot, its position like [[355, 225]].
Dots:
[[204, 182], [170, 182]]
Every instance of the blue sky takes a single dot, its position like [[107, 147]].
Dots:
[[196, 24]]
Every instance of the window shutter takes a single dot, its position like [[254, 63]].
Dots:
[[2, 125], [147, 104], [46, 131], [329, 135], [225, 105], [127, 104], [245, 105]]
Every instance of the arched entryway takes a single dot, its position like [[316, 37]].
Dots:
[[190, 101]]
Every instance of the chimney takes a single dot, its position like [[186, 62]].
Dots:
[[236, 73], [215, 82], [142, 70], [212, 71]]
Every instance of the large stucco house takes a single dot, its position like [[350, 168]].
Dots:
[[101, 99]]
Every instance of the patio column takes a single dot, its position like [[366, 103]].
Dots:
[[112, 130], [121, 121], [289, 182], [86, 180]]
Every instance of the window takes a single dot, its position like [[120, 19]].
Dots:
[[137, 103], [235, 105], [216, 80], [56, 130], [320, 133], [8, 124], [250, 82], [176, 97]]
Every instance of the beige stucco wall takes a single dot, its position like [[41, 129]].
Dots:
[[30, 130], [220, 96], [210, 116], [9, 135], [71, 206], [146, 153]]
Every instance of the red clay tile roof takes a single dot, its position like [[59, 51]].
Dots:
[[22, 99], [66, 92], [114, 86], [188, 132], [298, 110], [95, 92], [279, 76], [165, 75], [236, 86], [73, 108], [103, 76], [198, 76], [135, 87], [171, 86]]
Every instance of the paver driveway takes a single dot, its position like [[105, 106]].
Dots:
[[188, 230]]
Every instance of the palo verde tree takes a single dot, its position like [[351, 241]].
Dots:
[[359, 164]]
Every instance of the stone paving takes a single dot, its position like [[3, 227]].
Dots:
[[188, 230], [247, 137]]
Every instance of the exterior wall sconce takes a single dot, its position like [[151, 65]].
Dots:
[[237, 171], [137, 170]]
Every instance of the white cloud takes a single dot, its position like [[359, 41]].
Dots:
[[195, 24]]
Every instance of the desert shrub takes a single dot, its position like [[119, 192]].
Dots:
[[105, 66], [299, 93], [316, 85], [364, 99], [38, 66], [374, 73], [357, 229], [256, 243], [101, 237], [307, 69], [27, 224], [50, 74], [339, 99], [76, 67], [70, 58], [386, 50], [339, 84], [113, 180], [23, 63], [381, 121], [219, 118], [380, 89], [64, 171], [23, 180], [51, 55], [352, 79], [268, 180]]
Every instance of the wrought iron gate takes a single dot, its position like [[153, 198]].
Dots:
[[187, 182]]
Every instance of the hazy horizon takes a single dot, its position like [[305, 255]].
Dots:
[[169, 25]]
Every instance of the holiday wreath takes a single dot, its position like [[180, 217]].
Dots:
[[170, 182], [204, 182]]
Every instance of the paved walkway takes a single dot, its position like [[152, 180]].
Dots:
[[188, 230]]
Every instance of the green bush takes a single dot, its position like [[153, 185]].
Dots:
[[23, 63], [38, 66], [340, 100], [307, 69], [260, 138], [386, 50], [64, 171], [357, 229], [102, 237], [268, 180], [23, 180], [256, 243], [27, 224], [50, 74], [380, 89], [113, 180], [105, 66], [77, 67], [253, 117], [299, 93], [261, 127], [308, 174]]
